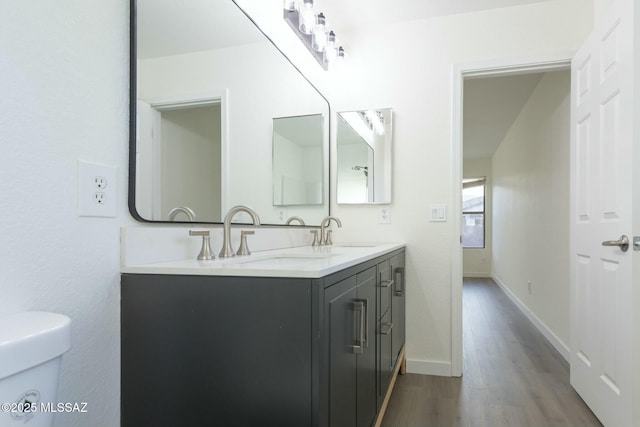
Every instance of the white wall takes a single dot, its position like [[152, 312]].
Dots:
[[64, 79], [477, 262], [408, 66], [531, 207]]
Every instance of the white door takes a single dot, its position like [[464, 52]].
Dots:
[[601, 178]]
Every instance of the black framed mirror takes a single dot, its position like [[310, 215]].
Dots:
[[206, 86]]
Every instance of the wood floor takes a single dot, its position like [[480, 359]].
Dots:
[[512, 376]]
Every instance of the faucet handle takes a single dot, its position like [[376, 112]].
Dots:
[[327, 240], [316, 242], [205, 253], [244, 249]]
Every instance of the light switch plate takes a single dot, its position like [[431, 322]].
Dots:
[[438, 213], [97, 190]]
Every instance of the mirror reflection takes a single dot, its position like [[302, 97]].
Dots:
[[207, 87], [297, 160], [364, 156]]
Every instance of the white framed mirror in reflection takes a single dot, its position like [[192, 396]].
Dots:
[[364, 156], [298, 161], [206, 84]]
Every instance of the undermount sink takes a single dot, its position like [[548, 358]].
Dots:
[[288, 259], [355, 245]]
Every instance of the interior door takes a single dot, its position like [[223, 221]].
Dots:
[[601, 210]]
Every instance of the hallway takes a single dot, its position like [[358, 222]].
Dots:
[[512, 376]]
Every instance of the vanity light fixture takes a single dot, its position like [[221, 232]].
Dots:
[[310, 27]]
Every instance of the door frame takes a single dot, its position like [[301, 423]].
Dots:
[[494, 68], [195, 100]]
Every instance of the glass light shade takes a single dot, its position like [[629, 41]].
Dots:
[[319, 39], [307, 20], [330, 54]]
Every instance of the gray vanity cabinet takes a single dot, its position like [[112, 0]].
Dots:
[[350, 313], [256, 351]]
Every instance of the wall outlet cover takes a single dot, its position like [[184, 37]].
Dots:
[[385, 216], [97, 194]]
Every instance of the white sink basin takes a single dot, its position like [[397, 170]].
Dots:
[[355, 245], [288, 259]]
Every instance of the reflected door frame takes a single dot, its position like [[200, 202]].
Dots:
[[194, 100]]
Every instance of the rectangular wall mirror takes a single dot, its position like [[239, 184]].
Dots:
[[364, 156], [209, 92], [298, 160]]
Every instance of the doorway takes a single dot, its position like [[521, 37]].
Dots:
[[462, 74]]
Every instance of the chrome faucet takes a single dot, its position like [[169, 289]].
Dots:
[[184, 209], [295, 218], [323, 229], [227, 250]]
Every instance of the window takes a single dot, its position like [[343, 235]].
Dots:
[[473, 190]]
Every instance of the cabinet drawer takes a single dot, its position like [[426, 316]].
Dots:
[[385, 287], [385, 369]]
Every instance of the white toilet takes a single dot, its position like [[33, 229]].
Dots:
[[31, 347]]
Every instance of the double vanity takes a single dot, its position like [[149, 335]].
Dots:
[[304, 336], [296, 336]]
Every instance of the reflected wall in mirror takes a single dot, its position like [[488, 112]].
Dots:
[[364, 140], [297, 160], [205, 87]]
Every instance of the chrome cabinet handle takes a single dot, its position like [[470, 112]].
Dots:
[[358, 347], [386, 283], [386, 328], [400, 289], [622, 242], [366, 323]]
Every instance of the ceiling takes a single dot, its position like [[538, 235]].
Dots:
[[343, 14], [170, 27], [490, 107]]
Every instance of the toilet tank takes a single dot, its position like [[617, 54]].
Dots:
[[31, 346]]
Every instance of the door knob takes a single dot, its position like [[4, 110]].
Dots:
[[622, 242]]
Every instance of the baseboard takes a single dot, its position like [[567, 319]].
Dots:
[[487, 275], [556, 342], [428, 367]]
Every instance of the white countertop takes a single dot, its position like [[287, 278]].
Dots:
[[303, 262]]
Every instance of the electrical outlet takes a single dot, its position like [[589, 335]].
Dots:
[[282, 215], [96, 190], [385, 216], [101, 198], [529, 287], [101, 182]]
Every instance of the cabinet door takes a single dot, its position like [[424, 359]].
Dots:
[[351, 316], [366, 361], [398, 306], [343, 314], [229, 351]]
